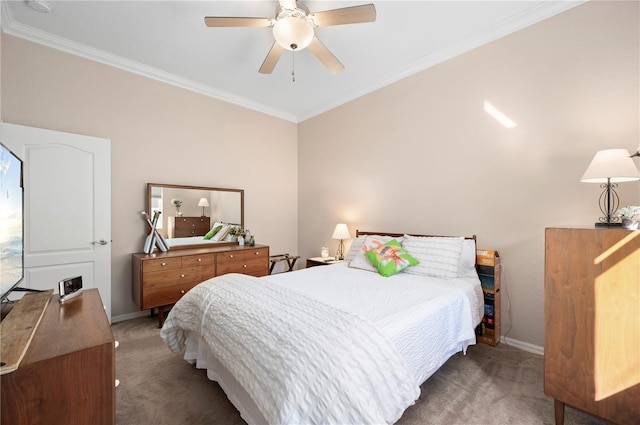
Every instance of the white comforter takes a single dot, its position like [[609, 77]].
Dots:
[[301, 361]]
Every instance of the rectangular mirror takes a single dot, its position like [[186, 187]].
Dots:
[[187, 213]]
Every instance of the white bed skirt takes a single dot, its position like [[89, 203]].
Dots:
[[197, 352]]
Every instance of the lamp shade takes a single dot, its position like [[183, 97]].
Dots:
[[341, 232], [203, 202], [611, 165]]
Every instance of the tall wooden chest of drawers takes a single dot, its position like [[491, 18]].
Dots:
[[161, 279], [592, 322]]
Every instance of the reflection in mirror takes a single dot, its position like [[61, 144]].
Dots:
[[187, 213]]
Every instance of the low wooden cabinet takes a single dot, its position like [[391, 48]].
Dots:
[[185, 227], [161, 279], [592, 322], [67, 375]]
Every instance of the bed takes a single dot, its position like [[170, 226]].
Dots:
[[333, 344]]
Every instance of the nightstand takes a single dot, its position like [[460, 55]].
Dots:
[[319, 261]]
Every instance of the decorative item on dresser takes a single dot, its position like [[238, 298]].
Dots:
[[160, 280], [592, 322], [185, 227]]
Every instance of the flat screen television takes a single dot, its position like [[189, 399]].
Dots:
[[11, 222]]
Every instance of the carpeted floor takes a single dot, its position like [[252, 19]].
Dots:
[[490, 385]]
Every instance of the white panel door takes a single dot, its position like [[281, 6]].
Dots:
[[67, 194]]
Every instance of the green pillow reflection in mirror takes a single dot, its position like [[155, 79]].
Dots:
[[212, 232]]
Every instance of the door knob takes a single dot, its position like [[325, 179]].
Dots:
[[100, 242]]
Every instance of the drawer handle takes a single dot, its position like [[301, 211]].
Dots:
[[163, 264], [244, 265], [257, 252], [230, 255], [181, 275], [199, 259], [182, 292]]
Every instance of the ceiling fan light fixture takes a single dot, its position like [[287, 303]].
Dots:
[[293, 33]]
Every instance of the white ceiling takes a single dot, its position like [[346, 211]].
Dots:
[[168, 41]]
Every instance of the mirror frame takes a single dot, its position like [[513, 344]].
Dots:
[[219, 189]]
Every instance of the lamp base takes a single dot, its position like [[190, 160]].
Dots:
[[608, 224]]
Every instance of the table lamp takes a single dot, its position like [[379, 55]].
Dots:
[[610, 167], [341, 232], [203, 203]]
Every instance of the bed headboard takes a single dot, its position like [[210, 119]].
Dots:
[[397, 235]]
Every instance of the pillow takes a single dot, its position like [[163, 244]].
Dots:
[[221, 233], [390, 258], [467, 266], [438, 256], [354, 249], [370, 242], [212, 232]]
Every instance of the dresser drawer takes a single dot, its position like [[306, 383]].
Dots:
[[198, 260], [161, 264], [253, 266], [230, 257], [166, 278], [245, 254], [165, 296], [262, 253]]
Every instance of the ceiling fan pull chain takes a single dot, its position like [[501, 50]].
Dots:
[[293, 66]]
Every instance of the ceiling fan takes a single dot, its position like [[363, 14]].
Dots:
[[294, 29]]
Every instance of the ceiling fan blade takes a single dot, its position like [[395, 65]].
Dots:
[[325, 56], [230, 21], [272, 59], [347, 15]]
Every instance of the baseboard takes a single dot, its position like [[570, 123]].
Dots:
[[129, 316], [524, 346]]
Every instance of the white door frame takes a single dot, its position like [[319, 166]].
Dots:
[[67, 194]]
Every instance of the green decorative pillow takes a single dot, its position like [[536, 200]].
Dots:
[[212, 232], [390, 258]]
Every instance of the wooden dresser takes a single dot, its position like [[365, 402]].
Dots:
[[67, 375], [592, 322], [185, 227], [161, 279]]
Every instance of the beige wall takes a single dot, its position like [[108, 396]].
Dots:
[[161, 134], [421, 155]]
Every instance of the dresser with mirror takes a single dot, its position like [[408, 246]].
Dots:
[[187, 213]]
